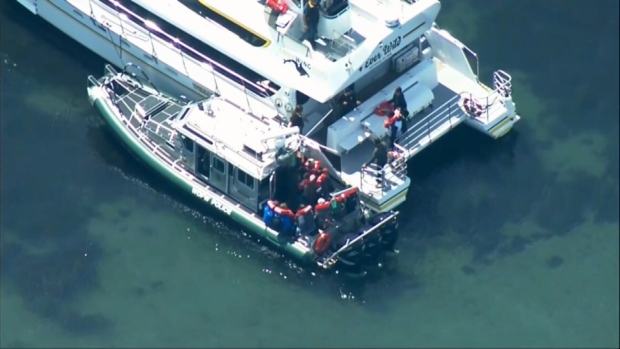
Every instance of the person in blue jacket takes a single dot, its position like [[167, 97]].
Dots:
[[268, 213], [287, 222]]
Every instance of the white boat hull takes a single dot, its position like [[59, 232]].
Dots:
[[99, 40], [167, 68]]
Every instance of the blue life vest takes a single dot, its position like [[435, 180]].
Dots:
[[287, 224], [268, 215]]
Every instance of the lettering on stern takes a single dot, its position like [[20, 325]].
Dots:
[[383, 53], [202, 194]]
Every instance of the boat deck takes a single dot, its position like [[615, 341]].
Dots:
[[430, 124]]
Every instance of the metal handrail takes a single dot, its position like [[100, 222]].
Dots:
[[149, 26], [445, 112], [93, 81], [331, 260]]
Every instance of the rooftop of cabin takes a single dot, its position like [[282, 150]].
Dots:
[[344, 25], [239, 137]]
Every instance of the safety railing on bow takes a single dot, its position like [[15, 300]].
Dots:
[[163, 44]]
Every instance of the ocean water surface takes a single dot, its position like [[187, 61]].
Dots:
[[509, 243]]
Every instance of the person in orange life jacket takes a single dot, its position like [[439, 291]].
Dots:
[[313, 166], [308, 189], [380, 158], [322, 183], [322, 213], [399, 102], [305, 220], [347, 100], [297, 118], [287, 225], [392, 122], [311, 22]]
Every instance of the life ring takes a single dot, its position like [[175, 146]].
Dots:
[[472, 107], [384, 108], [322, 243]]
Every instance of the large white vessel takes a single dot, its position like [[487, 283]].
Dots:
[[249, 51]]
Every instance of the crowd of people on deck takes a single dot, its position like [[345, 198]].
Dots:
[[316, 208], [395, 123]]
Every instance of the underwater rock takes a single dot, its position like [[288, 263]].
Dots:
[[554, 262]]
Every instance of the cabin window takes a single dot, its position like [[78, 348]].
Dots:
[[200, 7], [219, 165], [188, 144], [245, 179], [196, 44], [332, 8]]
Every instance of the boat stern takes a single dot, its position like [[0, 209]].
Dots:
[[495, 114]]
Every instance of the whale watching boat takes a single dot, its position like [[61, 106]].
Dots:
[[247, 167], [250, 51]]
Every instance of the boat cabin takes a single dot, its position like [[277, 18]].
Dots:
[[254, 161], [232, 151]]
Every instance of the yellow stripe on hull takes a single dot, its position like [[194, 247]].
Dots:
[[390, 204], [498, 127], [239, 24]]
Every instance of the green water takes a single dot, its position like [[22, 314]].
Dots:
[[510, 243]]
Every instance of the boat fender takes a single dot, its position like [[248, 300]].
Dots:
[[383, 108], [322, 242], [472, 107]]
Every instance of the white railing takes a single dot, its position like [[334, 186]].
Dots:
[[328, 262], [396, 166], [447, 112], [163, 44]]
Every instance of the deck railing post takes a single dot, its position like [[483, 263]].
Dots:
[[428, 129], [176, 44], [247, 99]]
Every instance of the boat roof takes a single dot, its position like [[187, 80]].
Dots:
[[347, 41], [243, 139]]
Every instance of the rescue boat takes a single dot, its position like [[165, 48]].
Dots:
[[246, 167]]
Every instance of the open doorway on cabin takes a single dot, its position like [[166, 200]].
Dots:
[[284, 186], [203, 162]]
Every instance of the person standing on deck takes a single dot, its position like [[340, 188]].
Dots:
[[399, 102], [380, 158], [297, 118], [347, 100], [311, 22]]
